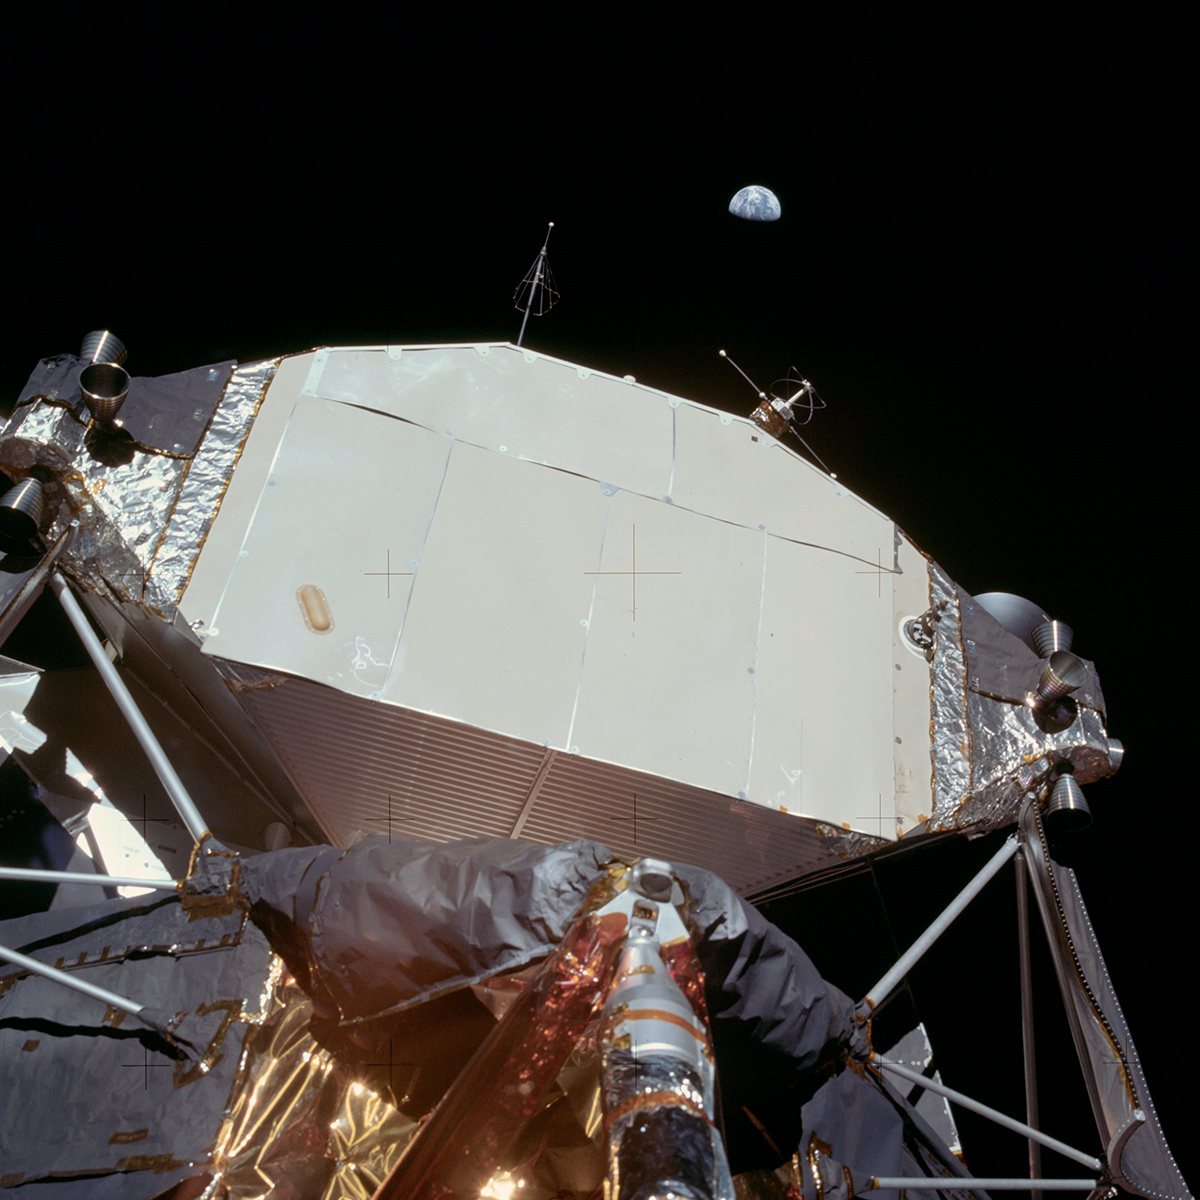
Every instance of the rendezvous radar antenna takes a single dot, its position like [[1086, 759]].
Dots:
[[779, 413], [536, 291]]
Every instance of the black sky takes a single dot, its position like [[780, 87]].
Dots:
[[982, 266]]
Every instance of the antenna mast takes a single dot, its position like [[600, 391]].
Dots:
[[778, 414], [537, 288]]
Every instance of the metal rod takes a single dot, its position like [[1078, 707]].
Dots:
[[992, 1114], [537, 282], [876, 996], [1027, 1046], [17, 607], [967, 1183], [94, 845], [36, 875], [88, 989], [171, 782]]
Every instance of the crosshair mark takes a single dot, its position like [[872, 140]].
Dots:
[[875, 816], [391, 805], [146, 1065], [635, 819], [391, 1064], [879, 571], [144, 820], [633, 573], [387, 573], [141, 574]]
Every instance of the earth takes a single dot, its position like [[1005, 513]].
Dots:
[[755, 203]]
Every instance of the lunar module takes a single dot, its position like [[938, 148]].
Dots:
[[504, 734]]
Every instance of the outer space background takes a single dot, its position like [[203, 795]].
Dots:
[[981, 265]]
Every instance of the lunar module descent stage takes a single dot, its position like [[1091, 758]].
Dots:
[[486, 689]]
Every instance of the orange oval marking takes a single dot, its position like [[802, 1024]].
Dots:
[[314, 608]]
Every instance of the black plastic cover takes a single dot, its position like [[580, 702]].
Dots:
[[94, 1093], [392, 923]]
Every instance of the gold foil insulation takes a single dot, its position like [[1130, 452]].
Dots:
[[480, 1119], [299, 1124]]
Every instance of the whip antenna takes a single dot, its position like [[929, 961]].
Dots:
[[536, 291]]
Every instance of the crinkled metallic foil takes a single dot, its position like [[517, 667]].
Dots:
[[481, 1117], [121, 508], [52, 425], [208, 476], [951, 741], [298, 1123], [989, 751], [141, 523], [848, 843], [1015, 756]]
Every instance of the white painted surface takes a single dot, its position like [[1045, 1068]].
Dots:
[[595, 566]]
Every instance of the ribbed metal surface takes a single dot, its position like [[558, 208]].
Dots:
[[372, 768], [366, 767], [634, 813]]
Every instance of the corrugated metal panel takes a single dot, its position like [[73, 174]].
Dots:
[[634, 813], [367, 767], [372, 768]]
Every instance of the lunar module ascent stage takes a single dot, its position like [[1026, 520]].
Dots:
[[466, 696]]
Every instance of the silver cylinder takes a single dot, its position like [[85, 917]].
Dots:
[[659, 1086], [1067, 809], [103, 346], [1116, 753], [105, 386], [1063, 674], [1051, 636], [21, 509]]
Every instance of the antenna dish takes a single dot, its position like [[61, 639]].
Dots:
[[799, 396], [779, 413]]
